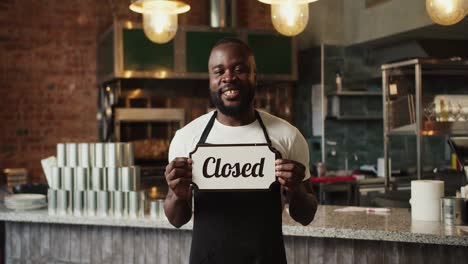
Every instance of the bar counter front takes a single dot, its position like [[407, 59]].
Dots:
[[333, 237]]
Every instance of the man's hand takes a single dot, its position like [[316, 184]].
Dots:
[[301, 197], [179, 177], [290, 173], [177, 205]]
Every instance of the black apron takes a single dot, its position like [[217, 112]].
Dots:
[[240, 227]]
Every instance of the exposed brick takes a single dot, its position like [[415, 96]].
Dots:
[[48, 87]]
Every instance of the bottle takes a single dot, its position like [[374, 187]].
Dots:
[[338, 81], [443, 111]]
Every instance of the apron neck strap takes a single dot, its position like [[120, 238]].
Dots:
[[208, 127]]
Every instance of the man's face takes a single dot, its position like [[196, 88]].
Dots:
[[232, 79]]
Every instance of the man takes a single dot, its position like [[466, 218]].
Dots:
[[238, 227]]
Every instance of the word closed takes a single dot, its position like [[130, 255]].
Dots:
[[213, 167]]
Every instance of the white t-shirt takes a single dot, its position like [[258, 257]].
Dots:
[[284, 137]]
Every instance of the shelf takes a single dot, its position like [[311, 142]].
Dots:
[[445, 128], [355, 93], [349, 117], [404, 130]]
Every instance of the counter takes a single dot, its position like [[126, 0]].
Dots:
[[339, 236]]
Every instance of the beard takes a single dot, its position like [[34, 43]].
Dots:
[[246, 95]]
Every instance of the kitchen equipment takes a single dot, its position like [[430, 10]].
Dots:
[[78, 203], [84, 155], [97, 179], [81, 178], [157, 209], [63, 202], [453, 210], [119, 204], [112, 179], [67, 178], [72, 154], [56, 178], [61, 156], [103, 204], [425, 196], [134, 204], [91, 202], [52, 201], [99, 155]]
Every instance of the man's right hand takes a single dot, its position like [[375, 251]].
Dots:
[[179, 177]]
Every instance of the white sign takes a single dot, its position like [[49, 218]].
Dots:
[[233, 167]]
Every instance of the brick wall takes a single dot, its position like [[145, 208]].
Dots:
[[48, 83]]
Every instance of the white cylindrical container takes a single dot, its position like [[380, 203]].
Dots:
[[112, 155], [99, 155], [136, 177], [81, 178], [112, 178], [134, 204], [425, 199], [72, 155], [128, 157], [126, 179], [67, 178], [157, 208], [52, 201], [61, 156], [119, 204], [91, 203], [103, 204], [84, 155], [97, 179], [79, 203], [62, 202], [130, 178], [56, 178]]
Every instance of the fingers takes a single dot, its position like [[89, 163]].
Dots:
[[179, 163], [290, 173]]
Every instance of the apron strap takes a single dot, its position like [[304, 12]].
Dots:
[[265, 131], [207, 130], [209, 126]]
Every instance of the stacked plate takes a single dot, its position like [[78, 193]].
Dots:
[[25, 201]]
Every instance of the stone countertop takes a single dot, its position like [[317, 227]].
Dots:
[[394, 226]]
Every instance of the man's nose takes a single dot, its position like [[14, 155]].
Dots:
[[229, 76]]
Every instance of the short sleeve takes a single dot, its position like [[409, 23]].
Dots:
[[299, 152], [177, 148]]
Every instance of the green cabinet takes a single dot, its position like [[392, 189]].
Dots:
[[124, 52]]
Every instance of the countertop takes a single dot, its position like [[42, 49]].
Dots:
[[393, 226]]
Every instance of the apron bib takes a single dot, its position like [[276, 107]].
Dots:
[[240, 227]]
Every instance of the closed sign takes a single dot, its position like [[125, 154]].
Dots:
[[233, 167]]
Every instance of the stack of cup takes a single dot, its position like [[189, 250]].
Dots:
[[95, 179]]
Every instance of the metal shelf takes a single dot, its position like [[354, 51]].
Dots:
[[355, 93], [349, 117]]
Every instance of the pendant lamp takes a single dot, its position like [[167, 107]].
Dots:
[[447, 12], [289, 17], [159, 18]]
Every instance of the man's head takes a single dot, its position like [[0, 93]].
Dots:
[[231, 67]]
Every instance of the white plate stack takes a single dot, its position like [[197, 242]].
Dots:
[[25, 201]]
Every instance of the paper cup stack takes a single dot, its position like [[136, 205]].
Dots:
[[95, 179]]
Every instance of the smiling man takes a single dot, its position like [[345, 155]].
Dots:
[[229, 226]]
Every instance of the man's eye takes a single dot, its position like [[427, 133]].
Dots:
[[240, 69], [218, 72]]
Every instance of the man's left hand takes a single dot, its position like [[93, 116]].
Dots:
[[290, 173]]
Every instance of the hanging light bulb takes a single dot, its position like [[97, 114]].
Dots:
[[159, 18], [289, 17], [446, 12]]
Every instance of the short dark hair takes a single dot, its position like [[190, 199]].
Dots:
[[233, 40]]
